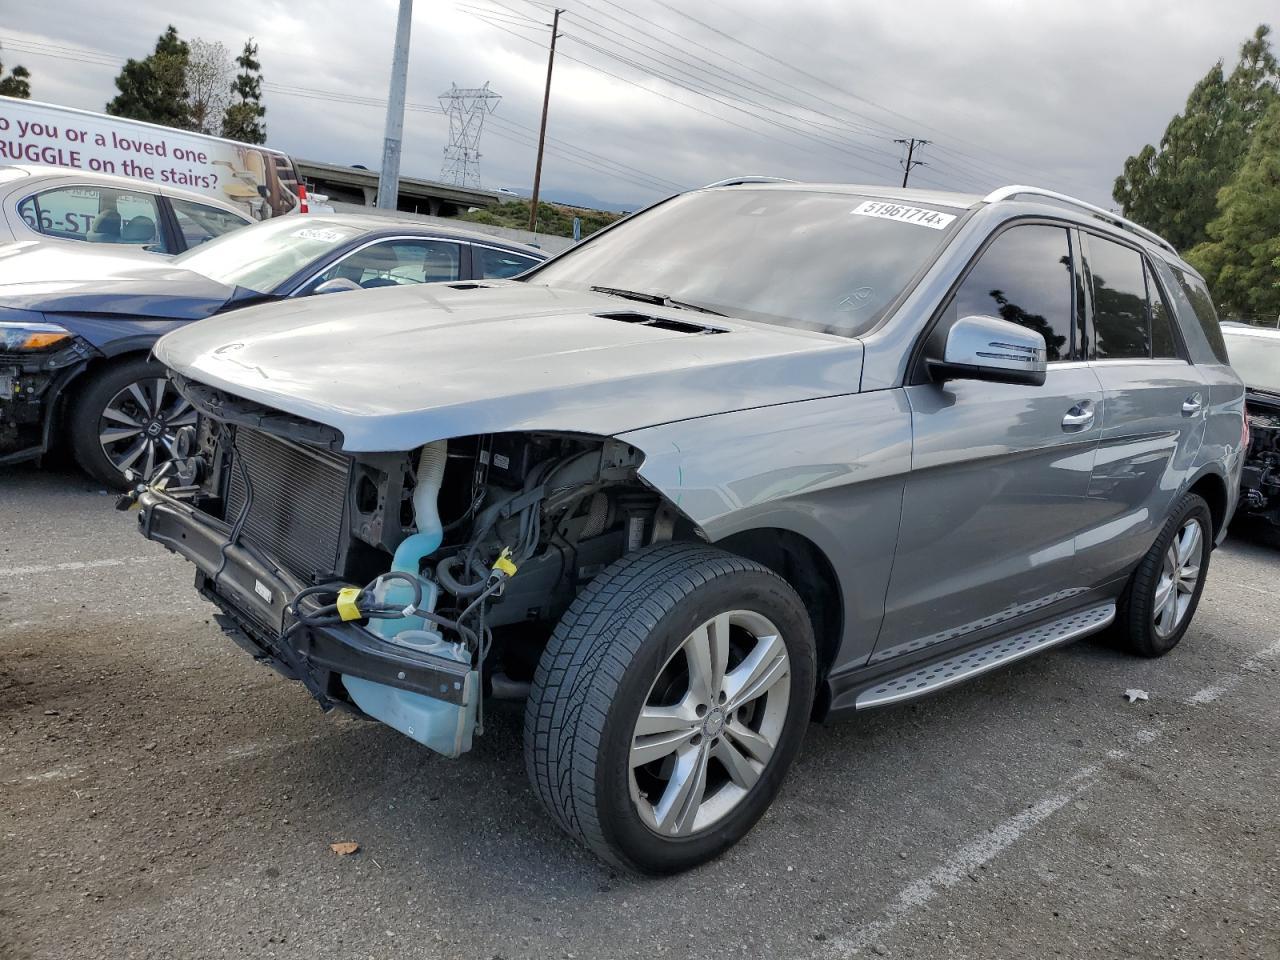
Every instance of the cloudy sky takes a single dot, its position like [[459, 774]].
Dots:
[[651, 96]]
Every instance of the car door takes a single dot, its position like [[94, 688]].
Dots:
[[1154, 404], [999, 472], [394, 261]]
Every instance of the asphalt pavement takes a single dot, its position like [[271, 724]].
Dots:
[[163, 796]]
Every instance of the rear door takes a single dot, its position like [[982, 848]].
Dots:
[[999, 472], [1154, 405]]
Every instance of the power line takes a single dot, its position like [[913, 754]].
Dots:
[[910, 143]]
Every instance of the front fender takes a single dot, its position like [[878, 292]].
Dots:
[[831, 470]]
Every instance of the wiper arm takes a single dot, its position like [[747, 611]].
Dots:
[[657, 299]]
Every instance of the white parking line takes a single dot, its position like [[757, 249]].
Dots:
[[77, 565], [986, 847], [978, 852], [1224, 685]]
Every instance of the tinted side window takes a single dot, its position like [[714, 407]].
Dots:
[[398, 262], [1121, 328], [1024, 276], [200, 222], [96, 214], [1202, 304], [1163, 343], [490, 263]]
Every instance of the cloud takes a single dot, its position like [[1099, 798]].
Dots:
[[1056, 95]]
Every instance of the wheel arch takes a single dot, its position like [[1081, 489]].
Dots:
[[1212, 487], [807, 569]]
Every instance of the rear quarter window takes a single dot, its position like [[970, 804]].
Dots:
[[1194, 289]]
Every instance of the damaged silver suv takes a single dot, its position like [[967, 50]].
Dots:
[[762, 453]]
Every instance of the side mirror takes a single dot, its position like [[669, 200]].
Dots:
[[988, 348], [337, 285]]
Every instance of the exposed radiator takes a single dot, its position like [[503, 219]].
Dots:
[[297, 514]]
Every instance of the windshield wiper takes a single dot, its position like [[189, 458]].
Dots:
[[657, 299]]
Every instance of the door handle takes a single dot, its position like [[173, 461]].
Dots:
[[1079, 417], [1191, 406]]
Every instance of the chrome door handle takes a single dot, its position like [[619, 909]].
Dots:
[[1079, 417], [1191, 406]]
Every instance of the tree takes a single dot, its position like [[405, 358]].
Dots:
[[208, 82], [155, 88], [1241, 260], [17, 83], [1173, 188], [242, 119]]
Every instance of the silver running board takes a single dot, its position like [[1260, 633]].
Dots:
[[963, 666]]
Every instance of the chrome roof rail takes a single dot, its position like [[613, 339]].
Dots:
[[737, 181], [1014, 190]]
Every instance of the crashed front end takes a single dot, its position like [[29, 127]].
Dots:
[[36, 358], [1260, 481], [384, 581]]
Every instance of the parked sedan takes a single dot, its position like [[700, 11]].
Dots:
[[63, 206], [78, 325], [1255, 354]]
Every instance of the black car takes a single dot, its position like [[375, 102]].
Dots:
[[77, 326]]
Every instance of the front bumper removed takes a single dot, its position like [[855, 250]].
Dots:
[[253, 592]]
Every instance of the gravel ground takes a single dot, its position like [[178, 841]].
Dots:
[[161, 795]]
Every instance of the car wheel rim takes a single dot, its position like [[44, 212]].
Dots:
[[1179, 577], [138, 427], [710, 723]]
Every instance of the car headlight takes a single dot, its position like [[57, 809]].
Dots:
[[31, 337]]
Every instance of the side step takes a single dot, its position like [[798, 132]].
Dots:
[[963, 666]]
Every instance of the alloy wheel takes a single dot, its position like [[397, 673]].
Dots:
[[710, 723], [138, 426], [1179, 577]]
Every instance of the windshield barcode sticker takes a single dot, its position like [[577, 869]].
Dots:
[[314, 233], [896, 211]]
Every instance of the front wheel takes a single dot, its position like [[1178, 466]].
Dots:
[[127, 417], [669, 704]]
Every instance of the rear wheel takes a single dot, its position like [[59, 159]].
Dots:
[[669, 703], [127, 417], [1163, 594]]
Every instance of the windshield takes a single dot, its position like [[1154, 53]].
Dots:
[[1256, 357], [830, 262], [264, 255]]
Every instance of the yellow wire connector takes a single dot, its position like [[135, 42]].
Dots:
[[347, 608], [504, 564]]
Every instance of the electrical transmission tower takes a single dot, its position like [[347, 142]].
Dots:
[[467, 107]]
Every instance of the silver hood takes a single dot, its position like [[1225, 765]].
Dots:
[[396, 368]]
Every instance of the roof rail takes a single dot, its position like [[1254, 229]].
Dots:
[[737, 181], [1014, 190]]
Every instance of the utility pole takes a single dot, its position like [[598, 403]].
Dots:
[[907, 164], [542, 132], [389, 176]]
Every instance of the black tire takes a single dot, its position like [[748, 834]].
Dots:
[[601, 665], [1136, 629], [86, 412]]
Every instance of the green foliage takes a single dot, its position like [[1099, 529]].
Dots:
[[17, 83], [1241, 260], [154, 89], [243, 117], [1173, 188], [553, 219]]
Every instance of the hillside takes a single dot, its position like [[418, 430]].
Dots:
[[553, 219]]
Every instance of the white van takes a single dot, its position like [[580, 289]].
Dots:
[[261, 181]]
